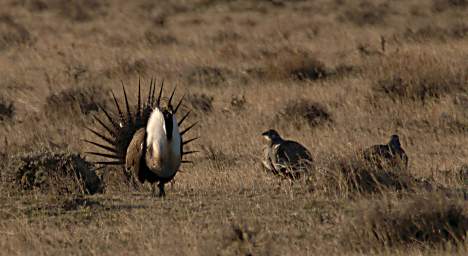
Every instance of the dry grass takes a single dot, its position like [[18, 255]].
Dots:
[[421, 76], [337, 76], [425, 221]]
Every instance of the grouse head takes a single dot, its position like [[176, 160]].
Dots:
[[394, 142], [272, 136], [168, 114]]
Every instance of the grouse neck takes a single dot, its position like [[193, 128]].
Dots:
[[275, 141], [394, 146], [168, 123]]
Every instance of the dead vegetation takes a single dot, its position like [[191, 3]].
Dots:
[[54, 173], [333, 75], [207, 76], [156, 39], [127, 67], [441, 6], [431, 32], [201, 103], [75, 10], [420, 77], [423, 220], [297, 66], [7, 110], [366, 13], [244, 240], [79, 100], [352, 176], [12, 33], [303, 111]]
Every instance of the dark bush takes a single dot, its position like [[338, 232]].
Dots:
[[12, 33], [76, 99], [7, 110], [443, 5], [55, 173], [300, 111], [200, 102], [208, 76], [78, 10], [297, 66], [366, 13]]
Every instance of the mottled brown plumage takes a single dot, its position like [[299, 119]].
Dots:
[[285, 157], [390, 155]]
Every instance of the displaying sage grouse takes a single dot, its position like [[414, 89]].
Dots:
[[390, 155], [285, 157], [147, 142]]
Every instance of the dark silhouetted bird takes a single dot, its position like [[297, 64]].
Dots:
[[389, 155], [285, 157], [148, 142]]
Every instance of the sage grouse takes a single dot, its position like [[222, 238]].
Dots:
[[389, 155], [148, 142], [285, 157]]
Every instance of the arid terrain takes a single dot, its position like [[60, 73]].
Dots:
[[336, 75]]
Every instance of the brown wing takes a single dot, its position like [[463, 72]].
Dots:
[[291, 158], [135, 152], [292, 153]]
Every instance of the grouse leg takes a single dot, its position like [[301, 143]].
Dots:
[[153, 189], [162, 193]]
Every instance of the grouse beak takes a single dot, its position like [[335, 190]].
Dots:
[[266, 135]]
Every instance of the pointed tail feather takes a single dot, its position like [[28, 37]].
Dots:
[[190, 140], [108, 140], [179, 104], [109, 162], [114, 124], [108, 148], [184, 117], [160, 94], [129, 113], [118, 107], [188, 129], [190, 152], [172, 96], [148, 103], [111, 131], [138, 114], [104, 155]]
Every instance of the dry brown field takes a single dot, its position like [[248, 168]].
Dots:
[[336, 75]]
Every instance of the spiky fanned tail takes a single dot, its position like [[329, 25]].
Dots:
[[118, 131]]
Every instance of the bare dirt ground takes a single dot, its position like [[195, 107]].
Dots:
[[338, 76]]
